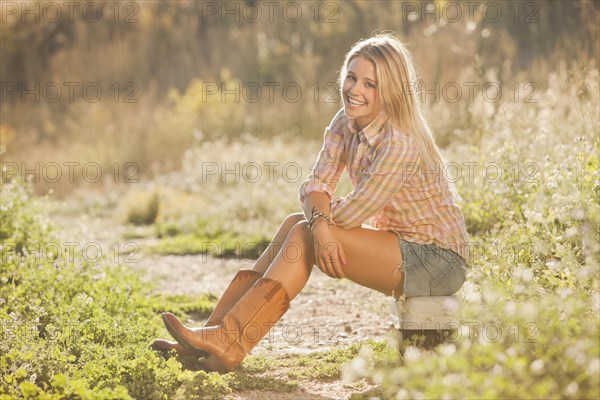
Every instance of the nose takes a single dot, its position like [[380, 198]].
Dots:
[[354, 89]]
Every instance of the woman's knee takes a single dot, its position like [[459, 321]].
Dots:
[[299, 235], [298, 243], [300, 229], [292, 220]]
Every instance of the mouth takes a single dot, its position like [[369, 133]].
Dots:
[[354, 103]]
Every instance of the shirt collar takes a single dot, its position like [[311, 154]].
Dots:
[[370, 131]]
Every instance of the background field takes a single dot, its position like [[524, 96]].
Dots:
[[176, 134]]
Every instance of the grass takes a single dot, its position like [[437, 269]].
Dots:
[[88, 335], [530, 304], [219, 245], [320, 365], [82, 330]]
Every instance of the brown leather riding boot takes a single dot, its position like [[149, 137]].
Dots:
[[241, 282], [241, 329]]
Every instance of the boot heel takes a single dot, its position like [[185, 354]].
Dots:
[[215, 365]]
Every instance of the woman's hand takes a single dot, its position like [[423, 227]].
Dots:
[[329, 254]]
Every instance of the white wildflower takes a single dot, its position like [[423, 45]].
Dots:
[[571, 389], [447, 349], [471, 293], [537, 367], [523, 274], [571, 232], [594, 367], [452, 379], [412, 353], [596, 301], [490, 296], [578, 214], [510, 308], [529, 310], [511, 352], [553, 264], [355, 370], [565, 292]]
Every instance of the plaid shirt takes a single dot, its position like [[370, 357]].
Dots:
[[392, 190]]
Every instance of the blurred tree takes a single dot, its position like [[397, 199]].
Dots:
[[167, 44]]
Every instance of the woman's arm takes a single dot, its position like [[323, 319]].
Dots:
[[316, 193], [328, 250], [317, 200]]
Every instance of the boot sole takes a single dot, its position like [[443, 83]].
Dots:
[[168, 349]]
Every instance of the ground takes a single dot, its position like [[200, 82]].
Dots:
[[327, 314]]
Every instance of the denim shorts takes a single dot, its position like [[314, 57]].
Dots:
[[430, 270]]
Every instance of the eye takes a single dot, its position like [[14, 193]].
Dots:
[[370, 85], [350, 77]]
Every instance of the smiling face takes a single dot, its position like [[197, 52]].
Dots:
[[361, 101]]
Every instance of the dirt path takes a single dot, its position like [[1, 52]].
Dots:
[[327, 314]]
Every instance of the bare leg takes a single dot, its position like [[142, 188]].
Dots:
[[373, 259], [266, 258], [238, 287]]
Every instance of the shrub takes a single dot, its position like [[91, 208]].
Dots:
[[530, 323], [79, 329], [142, 208]]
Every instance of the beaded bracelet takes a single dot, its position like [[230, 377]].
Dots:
[[318, 214], [314, 218]]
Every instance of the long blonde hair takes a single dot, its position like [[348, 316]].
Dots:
[[396, 76]]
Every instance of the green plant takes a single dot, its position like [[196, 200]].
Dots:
[[80, 329], [143, 208], [529, 325]]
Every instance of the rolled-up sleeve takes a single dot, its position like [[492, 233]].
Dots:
[[330, 164], [394, 162]]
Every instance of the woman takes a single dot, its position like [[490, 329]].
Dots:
[[416, 242]]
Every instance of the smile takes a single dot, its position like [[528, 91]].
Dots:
[[355, 103]]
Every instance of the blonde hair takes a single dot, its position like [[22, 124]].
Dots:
[[396, 76]]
